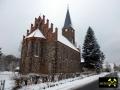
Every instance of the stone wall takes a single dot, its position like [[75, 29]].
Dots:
[[50, 56], [53, 56], [68, 59], [41, 63]]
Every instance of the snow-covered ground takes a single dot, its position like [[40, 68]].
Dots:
[[68, 84], [8, 77]]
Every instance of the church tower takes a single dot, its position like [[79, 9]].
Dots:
[[68, 30]]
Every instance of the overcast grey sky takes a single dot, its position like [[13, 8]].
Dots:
[[102, 15]]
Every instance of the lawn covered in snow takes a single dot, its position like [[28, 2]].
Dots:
[[66, 84], [8, 77]]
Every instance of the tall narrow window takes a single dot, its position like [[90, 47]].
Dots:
[[41, 54], [36, 49], [29, 48]]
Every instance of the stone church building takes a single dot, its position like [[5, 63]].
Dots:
[[45, 51]]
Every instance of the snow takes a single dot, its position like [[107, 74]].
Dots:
[[7, 76], [78, 83], [61, 38], [82, 60], [65, 41], [36, 56], [67, 84], [17, 68], [36, 33]]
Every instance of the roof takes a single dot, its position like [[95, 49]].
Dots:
[[67, 22], [36, 33], [61, 38], [65, 41]]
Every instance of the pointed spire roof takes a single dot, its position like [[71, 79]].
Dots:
[[67, 22]]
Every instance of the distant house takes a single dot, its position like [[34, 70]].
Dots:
[[108, 66], [45, 51]]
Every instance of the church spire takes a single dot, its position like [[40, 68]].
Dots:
[[68, 30], [67, 22]]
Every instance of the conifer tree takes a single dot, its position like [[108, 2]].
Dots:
[[0, 53], [92, 54]]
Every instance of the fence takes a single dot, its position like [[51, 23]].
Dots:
[[2, 84]]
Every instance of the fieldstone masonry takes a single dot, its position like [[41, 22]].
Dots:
[[48, 55]]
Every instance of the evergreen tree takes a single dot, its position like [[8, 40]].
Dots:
[[92, 54], [0, 53]]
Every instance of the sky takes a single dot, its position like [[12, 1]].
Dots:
[[102, 15]]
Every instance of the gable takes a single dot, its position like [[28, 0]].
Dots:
[[36, 33]]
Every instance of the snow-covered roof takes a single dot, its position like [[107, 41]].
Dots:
[[36, 33], [65, 41], [61, 38]]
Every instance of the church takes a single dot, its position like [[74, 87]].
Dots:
[[45, 51]]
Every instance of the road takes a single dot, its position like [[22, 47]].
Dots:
[[95, 85]]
